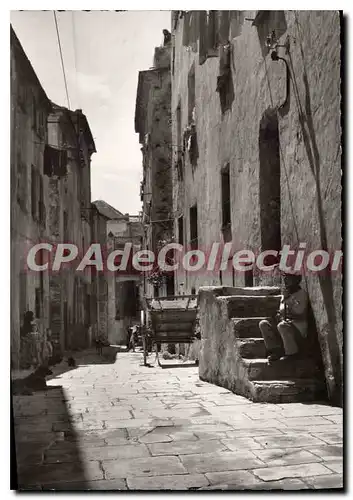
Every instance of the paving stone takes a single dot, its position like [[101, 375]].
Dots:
[[303, 421], [107, 415], [182, 435], [334, 428], [210, 435], [302, 410], [88, 424], [125, 424], [174, 482], [237, 478], [32, 428], [254, 432], [29, 453], [155, 438], [65, 472], [336, 419], [288, 440], [335, 466], [209, 428], [300, 471], [328, 452], [279, 457], [327, 482], [285, 485], [97, 453], [187, 406], [151, 466], [329, 437], [253, 424], [105, 484], [220, 461], [241, 443], [186, 412], [178, 414], [186, 447], [33, 437]]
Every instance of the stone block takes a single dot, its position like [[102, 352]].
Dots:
[[216, 462], [288, 471], [151, 466], [172, 482], [186, 447]]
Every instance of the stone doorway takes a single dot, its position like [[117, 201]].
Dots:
[[270, 183]]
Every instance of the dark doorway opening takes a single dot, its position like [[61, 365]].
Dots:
[[270, 182]]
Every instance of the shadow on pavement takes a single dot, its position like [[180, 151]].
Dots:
[[46, 443], [84, 358]]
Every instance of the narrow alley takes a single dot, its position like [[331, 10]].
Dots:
[[111, 423], [176, 259]]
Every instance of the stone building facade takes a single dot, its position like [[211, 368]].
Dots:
[[51, 148], [99, 297], [30, 108], [124, 288], [153, 124], [256, 140], [70, 146]]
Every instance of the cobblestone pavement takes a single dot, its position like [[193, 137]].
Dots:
[[119, 425]]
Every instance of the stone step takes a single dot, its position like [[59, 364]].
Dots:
[[251, 348], [287, 391], [247, 327], [246, 306], [250, 291], [260, 369]]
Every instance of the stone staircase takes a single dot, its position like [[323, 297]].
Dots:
[[233, 353]]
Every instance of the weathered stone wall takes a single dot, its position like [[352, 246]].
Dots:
[[70, 223], [29, 111], [309, 148], [119, 233], [153, 123]]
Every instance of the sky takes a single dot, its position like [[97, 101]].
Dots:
[[103, 53]]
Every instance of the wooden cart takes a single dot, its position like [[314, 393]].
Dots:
[[172, 320]]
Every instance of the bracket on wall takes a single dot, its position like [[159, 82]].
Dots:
[[272, 42]]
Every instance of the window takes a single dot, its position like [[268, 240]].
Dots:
[[178, 119], [179, 164], [225, 86], [21, 188], [41, 124], [38, 302], [224, 26], [226, 208], [23, 294], [34, 192], [66, 227], [191, 94], [34, 114], [41, 205], [37, 196], [181, 230], [41, 275], [173, 58], [193, 228], [189, 29], [212, 29], [208, 34], [55, 161]]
